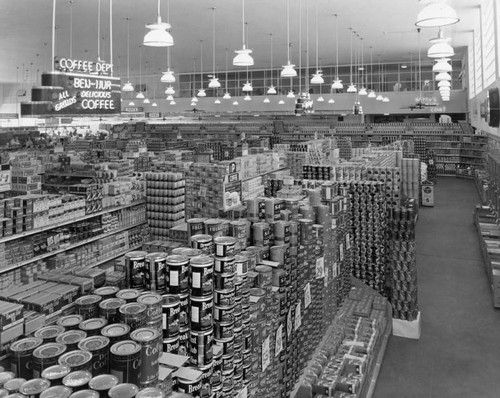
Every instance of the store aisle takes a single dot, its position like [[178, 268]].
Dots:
[[458, 354]]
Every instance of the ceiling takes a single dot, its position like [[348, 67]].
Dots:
[[385, 25]]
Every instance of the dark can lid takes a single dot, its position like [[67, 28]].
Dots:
[[132, 309], [85, 394], [25, 345], [93, 343], [149, 298], [70, 320], [170, 300], [112, 303], [93, 324], [56, 392], [14, 384], [103, 382], [150, 392], [128, 294], [144, 335], [75, 358], [107, 290], [71, 337], [34, 386], [49, 350], [115, 330], [55, 372], [125, 390], [49, 332], [90, 299], [125, 347], [77, 378], [177, 259]]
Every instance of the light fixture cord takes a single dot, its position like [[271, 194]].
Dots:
[[98, 30], [128, 49], [53, 34], [317, 39], [270, 34], [307, 47], [337, 44], [71, 29], [111, 36], [420, 65], [371, 67], [213, 41], [227, 87], [140, 67], [201, 63], [287, 29], [350, 71], [243, 20], [362, 63]]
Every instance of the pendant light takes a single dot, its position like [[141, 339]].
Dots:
[[362, 91], [235, 103], [172, 102], [320, 99], [214, 81], [140, 95], [318, 76], [337, 83], [371, 93], [288, 69], [154, 104], [131, 103], [443, 76], [442, 65], [168, 76], [440, 47], [331, 101], [243, 58], [193, 103], [217, 101], [380, 97], [271, 90], [201, 91], [266, 100], [170, 91], [386, 98], [436, 14], [352, 87], [281, 102], [170, 97], [247, 98], [128, 87], [158, 36], [444, 83], [290, 94], [226, 94]]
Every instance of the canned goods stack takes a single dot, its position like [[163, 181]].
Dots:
[[165, 200]]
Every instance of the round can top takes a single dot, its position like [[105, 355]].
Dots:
[[34, 386], [170, 300], [225, 240], [132, 309], [125, 347], [48, 332], [56, 392], [90, 299], [75, 358], [71, 337], [190, 252], [14, 384], [137, 253], [149, 298], [177, 258], [93, 343], [93, 324], [128, 294], [106, 290], [85, 394], [144, 334], [156, 255], [25, 345], [196, 220], [150, 392], [55, 372], [201, 261], [49, 350], [112, 303], [257, 291], [77, 378], [125, 390], [70, 320], [202, 238], [115, 329], [177, 394], [103, 382], [15, 395]]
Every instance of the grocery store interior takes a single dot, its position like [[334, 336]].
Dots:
[[249, 198]]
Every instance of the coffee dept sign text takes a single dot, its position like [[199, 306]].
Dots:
[[82, 66]]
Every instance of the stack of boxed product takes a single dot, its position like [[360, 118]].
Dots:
[[25, 172]]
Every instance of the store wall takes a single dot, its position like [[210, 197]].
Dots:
[[477, 106]]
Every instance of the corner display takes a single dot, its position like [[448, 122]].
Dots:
[[493, 108]]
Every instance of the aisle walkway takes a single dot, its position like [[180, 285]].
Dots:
[[458, 354]]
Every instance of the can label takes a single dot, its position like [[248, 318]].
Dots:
[[225, 264], [216, 379], [192, 387], [157, 264], [137, 274], [153, 302], [170, 315], [227, 345], [206, 377], [126, 366], [201, 347], [134, 315], [184, 310], [184, 342], [224, 314], [223, 330], [224, 298], [238, 319], [203, 243], [177, 274], [201, 280], [225, 281], [151, 350], [201, 313], [171, 345], [224, 246], [241, 265]]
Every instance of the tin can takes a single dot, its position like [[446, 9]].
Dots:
[[189, 252], [129, 295], [224, 314], [98, 346], [93, 326], [106, 292], [196, 226], [216, 378], [77, 360], [223, 330], [157, 265], [133, 314], [238, 319], [216, 227], [34, 387], [172, 344], [184, 310], [46, 355], [224, 298], [241, 263], [190, 386], [56, 392], [5, 377], [22, 356], [150, 392], [70, 322], [77, 380], [225, 264], [177, 274], [201, 309], [225, 246], [239, 286], [116, 332], [103, 383], [227, 374], [151, 350], [261, 233], [86, 393], [247, 372], [137, 275], [13, 385], [71, 338], [206, 387], [125, 361], [201, 346], [247, 340], [88, 306], [203, 243], [170, 315], [153, 303], [201, 278], [108, 309], [55, 374], [238, 337], [225, 281], [227, 345], [184, 341], [265, 275], [124, 390], [279, 279]]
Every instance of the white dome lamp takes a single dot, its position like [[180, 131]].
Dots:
[[235, 103], [320, 99], [317, 78], [331, 101], [266, 100], [170, 98], [440, 47], [442, 65], [158, 36], [386, 99], [154, 104], [352, 87], [444, 83], [247, 87], [435, 14], [337, 83], [170, 90], [243, 57], [290, 94], [281, 102], [372, 94], [226, 95], [214, 81], [288, 69], [168, 77], [271, 90], [247, 98], [443, 76], [194, 99], [201, 93], [217, 101], [363, 91], [128, 87]]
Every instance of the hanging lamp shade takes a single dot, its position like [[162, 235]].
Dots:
[[235, 103], [247, 98], [331, 101], [140, 95], [247, 87], [194, 99], [266, 100], [337, 84], [170, 98], [243, 57], [442, 65], [440, 47], [435, 14], [202, 93], [386, 99], [172, 102], [146, 101], [281, 102], [214, 83], [158, 36], [444, 83], [131, 103], [227, 95], [290, 94], [443, 76], [154, 104], [371, 94], [217, 101], [169, 90], [128, 87], [444, 91], [288, 70], [445, 99], [168, 77], [272, 90], [351, 88], [193, 103], [320, 99], [363, 91], [317, 78], [380, 97]]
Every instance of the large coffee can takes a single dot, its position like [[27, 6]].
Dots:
[[137, 274], [21, 360], [151, 350], [125, 361], [98, 346]]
